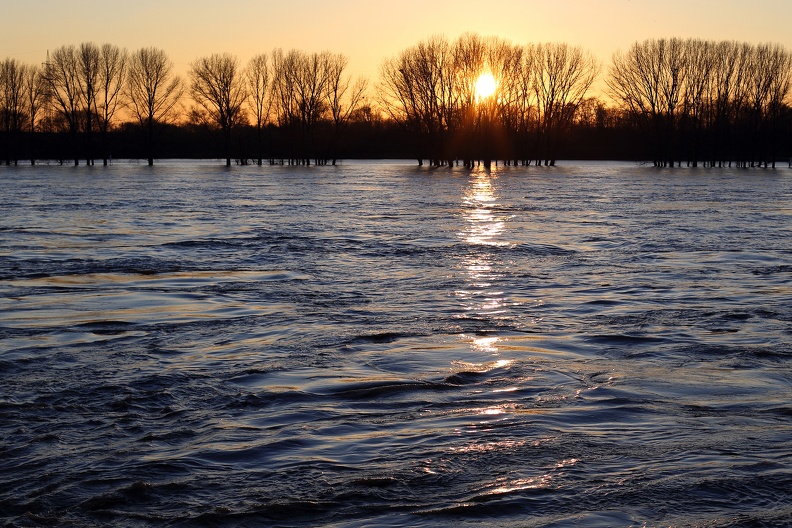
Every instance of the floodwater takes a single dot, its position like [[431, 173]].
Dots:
[[374, 344]]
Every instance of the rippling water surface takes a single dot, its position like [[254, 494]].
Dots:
[[374, 344]]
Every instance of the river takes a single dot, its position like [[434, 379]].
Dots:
[[377, 344]]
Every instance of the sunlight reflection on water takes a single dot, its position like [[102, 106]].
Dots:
[[484, 223]]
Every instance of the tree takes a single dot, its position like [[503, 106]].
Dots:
[[397, 96], [780, 86], [310, 85], [36, 98], [727, 96], [112, 77], [695, 112], [721, 100], [283, 96], [217, 85], [646, 81], [88, 56], [12, 106], [64, 90], [299, 88], [343, 98], [153, 93], [259, 90], [470, 53], [416, 90], [562, 75], [431, 89]]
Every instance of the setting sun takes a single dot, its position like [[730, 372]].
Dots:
[[485, 86]]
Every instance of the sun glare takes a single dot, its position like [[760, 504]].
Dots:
[[485, 86]]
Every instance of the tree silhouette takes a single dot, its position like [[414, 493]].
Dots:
[[110, 84], [562, 75], [217, 84], [259, 90], [673, 101], [301, 83], [416, 89], [36, 100], [64, 91], [704, 100], [153, 93], [430, 89], [343, 98], [12, 106], [88, 79]]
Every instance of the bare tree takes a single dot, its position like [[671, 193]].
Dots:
[[259, 90], [470, 55], [88, 56], [12, 106], [153, 92], [64, 90], [310, 85], [284, 98], [397, 96], [36, 99], [431, 89], [562, 75], [523, 108], [111, 81], [299, 87], [768, 88], [217, 85], [504, 62], [282, 93], [720, 100], [639, 79], [343, 97], [416, 90], [727, 96], [695, 112]]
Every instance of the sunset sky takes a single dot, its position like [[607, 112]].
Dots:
[[367, 31]]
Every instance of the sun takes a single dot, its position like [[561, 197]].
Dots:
[[485, 86]]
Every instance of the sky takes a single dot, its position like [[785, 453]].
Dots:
[[369, 31]]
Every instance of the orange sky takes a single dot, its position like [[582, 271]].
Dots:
[[367, 31]]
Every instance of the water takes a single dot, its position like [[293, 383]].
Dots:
[[597, 344]]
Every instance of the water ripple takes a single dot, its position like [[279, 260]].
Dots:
[[597, 344]]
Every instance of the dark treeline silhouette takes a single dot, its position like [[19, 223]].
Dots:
[[300, 105], [431, 89], [671, 101], [701, 101]]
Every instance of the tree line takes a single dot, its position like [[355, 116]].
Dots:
[[431, 89], [672, 101], [698, 101], [80, 91]]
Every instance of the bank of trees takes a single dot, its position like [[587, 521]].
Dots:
[[312, 96], [672, 101], [431, 89], [81, 94], [698, 101], [76, 96]]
